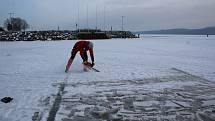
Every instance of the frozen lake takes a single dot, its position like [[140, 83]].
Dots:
[[136, 76]]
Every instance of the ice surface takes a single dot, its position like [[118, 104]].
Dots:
[[31, 71]]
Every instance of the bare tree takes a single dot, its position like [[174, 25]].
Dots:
[[16, 24], [1, 29]]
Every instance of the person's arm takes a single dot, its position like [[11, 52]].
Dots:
[[92, 56]]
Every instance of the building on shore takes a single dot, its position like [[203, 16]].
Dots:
[[92, 34]]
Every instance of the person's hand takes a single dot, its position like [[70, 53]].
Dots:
[[92, 64], [86, 63]]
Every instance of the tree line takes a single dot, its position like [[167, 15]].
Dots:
[[16, 24]]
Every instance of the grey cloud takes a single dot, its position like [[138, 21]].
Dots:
[[139, 14]]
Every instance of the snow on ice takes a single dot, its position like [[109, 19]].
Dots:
[[149, 78]]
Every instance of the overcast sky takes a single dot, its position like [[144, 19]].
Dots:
[[138, 14]]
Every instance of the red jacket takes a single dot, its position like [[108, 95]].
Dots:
[[83, 46]]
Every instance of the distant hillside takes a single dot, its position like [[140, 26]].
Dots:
[[202, 31]]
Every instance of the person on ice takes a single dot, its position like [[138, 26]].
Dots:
[[82, 47]]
